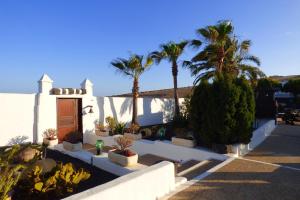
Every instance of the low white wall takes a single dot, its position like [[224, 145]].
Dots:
[[17, 119], [175, 152], [259, 135], [139, 185], [161, 148]]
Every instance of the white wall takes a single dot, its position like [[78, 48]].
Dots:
[[139, 185], [150, 110], [17, 118], [259, 135], [30, 114]]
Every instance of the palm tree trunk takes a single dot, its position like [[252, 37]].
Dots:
[[176, 102], [135, 94]]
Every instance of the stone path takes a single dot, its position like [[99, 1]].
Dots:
[[271, 171]]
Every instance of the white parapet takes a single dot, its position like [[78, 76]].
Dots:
[[135, 186], [258, 136]]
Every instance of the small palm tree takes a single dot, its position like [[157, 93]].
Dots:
[[133, 67], [223, 53], [171, 51]]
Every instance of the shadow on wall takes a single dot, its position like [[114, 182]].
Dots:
[[168, 109], [149, 118], [17, 140], [160, 112], [100, 103], [126, 106], [113, 108]]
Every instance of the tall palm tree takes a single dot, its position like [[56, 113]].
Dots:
[[240, 62], [171, 51], [223, 53], [133, 67]]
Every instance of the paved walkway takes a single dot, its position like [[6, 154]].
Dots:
[[271, 171]]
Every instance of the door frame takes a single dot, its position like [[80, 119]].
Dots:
[[79, 114]]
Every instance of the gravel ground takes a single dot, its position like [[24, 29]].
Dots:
[[252, 178]]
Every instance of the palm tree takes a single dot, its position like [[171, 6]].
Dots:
[[171, 51], [223, 53], [240, 62], [133, 67]]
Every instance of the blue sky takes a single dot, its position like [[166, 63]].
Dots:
[[71, 40]]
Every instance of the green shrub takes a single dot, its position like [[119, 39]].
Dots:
[[292, 86], [111, 123], [120, 127], [222, 112], [264, 92]]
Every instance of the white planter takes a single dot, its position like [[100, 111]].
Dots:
[[183, 142], [72, 147], [102, 133], [133, 136], [123, 160], [50, 142]]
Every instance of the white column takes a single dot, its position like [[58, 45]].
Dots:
[[46, 107], [45, 84], [88, 86]]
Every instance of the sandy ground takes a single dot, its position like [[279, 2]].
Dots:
[[266, 173]]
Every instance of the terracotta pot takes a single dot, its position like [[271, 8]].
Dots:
[[123, 160]]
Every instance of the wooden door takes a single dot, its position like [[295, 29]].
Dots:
[[68, 117]]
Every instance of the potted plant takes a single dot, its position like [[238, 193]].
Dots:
[[133, 132], [50, 137], [122, 155], [73, 141], [100, 129], [119, 128], [183, 138], [111, 124]]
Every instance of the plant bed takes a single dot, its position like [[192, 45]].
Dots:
[[50, 137], [186, 142], [50, 142], [125, 159], [73, 141], [72, 146], [102, 133], [97, 177], [122, 155]]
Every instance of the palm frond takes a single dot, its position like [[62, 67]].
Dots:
[[252, 59], [195, 44]]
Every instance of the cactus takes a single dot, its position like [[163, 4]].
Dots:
[[9, 172], [63, 179]]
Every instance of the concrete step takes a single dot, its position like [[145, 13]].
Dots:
[[198, 168]]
